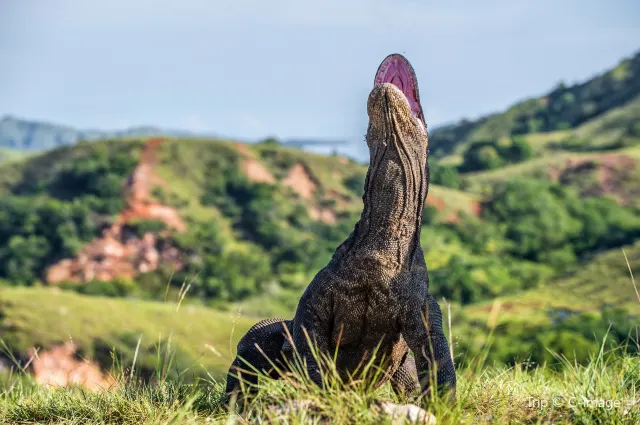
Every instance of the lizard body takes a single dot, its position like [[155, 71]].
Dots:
[[372, 297]]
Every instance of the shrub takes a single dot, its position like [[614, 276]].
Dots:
[[491, 154], [482, 156], [141, 226], [444, 175]]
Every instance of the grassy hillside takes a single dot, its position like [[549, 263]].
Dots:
[[215, 188], [588, 172], [572, 315], [562, 108], [604, 281], [45, 317], [7, 155], [240, 224], [205, 338]]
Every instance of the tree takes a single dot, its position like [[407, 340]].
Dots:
[[519, 150], [444, 175], [23, 258], [535, 217], [482, 156]]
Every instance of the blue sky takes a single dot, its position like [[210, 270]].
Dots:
[[297, 69]]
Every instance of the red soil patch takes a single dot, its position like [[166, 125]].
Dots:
[[323, 214], [435, 201], [452, 216], [341, 200], [244, 150], [118, 252], [476, 208], [300, 180], [611, 173], [256, 172], [143, 178], [59, 367], [252, 168]]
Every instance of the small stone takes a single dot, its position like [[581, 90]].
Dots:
[[401, 413], [290, 408]]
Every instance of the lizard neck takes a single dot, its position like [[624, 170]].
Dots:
[[385, 238]]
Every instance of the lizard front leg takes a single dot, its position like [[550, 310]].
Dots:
[[259, 350], [424, 334], [312, 331], [404, 381]]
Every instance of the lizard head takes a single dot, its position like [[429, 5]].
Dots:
[[387, 236], [392, 118], [397, 180]]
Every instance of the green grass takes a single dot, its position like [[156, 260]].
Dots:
[[604, 280], [43, 317], [456, 201], [479, 182], [617, 125], [605, 391], [11, 155], [540, 141]]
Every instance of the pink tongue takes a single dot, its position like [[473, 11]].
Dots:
[[395, 71]]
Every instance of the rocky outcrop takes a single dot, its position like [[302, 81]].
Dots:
[[119, 252], [59, 367], [116, 254]]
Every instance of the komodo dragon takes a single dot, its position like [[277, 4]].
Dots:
[[374, 291]]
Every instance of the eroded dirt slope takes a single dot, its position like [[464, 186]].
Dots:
[[119, 252]]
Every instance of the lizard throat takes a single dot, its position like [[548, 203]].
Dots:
[[387, 235], [395, 190]]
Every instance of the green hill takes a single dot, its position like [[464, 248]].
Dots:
[[565, 107], [272, 211], [7, 155], [245, 227], [47, 317]]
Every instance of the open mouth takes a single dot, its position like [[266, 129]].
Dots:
[[397, 70]]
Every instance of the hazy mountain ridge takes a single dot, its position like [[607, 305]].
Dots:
[[23, 134]]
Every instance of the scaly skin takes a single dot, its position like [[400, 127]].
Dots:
[[373, 295], [269, 335]]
